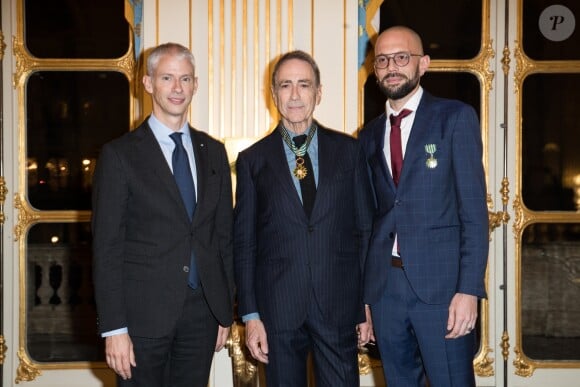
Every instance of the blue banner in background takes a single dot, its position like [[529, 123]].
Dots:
[[134, 15]]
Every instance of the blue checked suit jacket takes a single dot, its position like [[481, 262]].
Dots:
[[283, 261], [439, 214]]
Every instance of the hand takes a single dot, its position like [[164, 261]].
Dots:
[[222, 338], [119, 354], [462, 315], [256, 340], [364, 330]]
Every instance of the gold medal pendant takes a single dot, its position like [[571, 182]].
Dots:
[[300, 170]]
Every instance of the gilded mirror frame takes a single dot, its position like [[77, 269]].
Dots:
[[524, 67], [26, 64]]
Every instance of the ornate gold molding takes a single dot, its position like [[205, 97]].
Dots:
[[483, 364], [26, 371], [26, 63], [499, 218], [496, 219], [526, 66], [505, 345], [2, 46], [3, 192], [523, 66], [479, 66], [520, 217], [25, 216], [505, 60], [523, 368], [3, 349], [244, 370], [366, 363]]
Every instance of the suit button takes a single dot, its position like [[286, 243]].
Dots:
[[397, 202], [186, 269], [392, 235]]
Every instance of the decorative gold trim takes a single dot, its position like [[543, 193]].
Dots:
[[245, 370], [482, 364], [26, 63], [2, 46], [525, 66], [367, 363], [520, 217], [498, 218], [3, 192], [505, 60], [26, 371], [522, 366], [25, 217], [3, 349], [505, 345]]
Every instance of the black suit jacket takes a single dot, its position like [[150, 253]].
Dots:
[[143, 238], [285, 261]]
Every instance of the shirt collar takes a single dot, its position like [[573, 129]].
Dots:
[[162, 132], [412, 104]]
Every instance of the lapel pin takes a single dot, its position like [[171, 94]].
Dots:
[[431, 161]]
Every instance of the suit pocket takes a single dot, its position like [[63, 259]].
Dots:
[[133, 247], [444, 234]]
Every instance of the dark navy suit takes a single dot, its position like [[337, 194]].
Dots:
[[303, 276], [439, 216], [143, 240]]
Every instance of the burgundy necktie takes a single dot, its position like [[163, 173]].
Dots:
[[396, 145]]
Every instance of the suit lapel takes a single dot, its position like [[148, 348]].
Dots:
[[419, 131], [277, 158], [153, 159], [378, 130], [327, 168], [201, 165]]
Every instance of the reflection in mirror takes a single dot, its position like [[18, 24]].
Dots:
[[70, 115], [76, 29], [60, 309], [550, 290], [550, 142]]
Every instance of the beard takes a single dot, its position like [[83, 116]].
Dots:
[[401, 91]]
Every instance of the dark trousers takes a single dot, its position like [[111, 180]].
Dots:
[[411, 339], [334, 353], [181, 359]]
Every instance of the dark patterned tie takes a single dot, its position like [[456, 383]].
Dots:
[[396, 145], [307, 185], [184, 180]]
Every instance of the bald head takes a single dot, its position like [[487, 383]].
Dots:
[[399, 38], [399, 64]]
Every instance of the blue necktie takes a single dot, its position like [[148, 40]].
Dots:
[[184, 180]]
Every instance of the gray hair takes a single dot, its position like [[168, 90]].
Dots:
[[300, 55], [168, 49]]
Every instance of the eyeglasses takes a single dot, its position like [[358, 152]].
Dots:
[[401, 59]]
